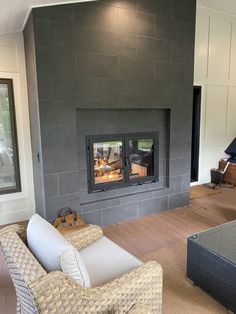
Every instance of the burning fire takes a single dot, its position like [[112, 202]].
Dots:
[[105, 172]]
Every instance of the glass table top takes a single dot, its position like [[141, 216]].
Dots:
[[221, 240]]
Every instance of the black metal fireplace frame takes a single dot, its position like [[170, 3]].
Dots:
[[127, 181]]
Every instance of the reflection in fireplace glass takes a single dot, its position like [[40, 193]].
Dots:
[[108, 161], [141, 158]]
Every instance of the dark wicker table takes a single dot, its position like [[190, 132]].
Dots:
[[211, 263]]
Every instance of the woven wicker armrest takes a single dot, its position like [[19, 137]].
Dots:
[[84, 237], [19, 229], [139, 309], [57, 293]]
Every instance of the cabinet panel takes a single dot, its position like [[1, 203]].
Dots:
[[231, 114], [216, 106], [233, 53], [219, 49], [201, 46]]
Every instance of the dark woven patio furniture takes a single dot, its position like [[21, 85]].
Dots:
[[211, 263]]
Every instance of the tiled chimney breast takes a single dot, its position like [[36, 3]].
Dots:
[[109, 54]]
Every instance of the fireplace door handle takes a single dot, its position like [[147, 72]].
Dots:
[[127, 162]]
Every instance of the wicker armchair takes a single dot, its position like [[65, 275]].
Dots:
[[137, 292]]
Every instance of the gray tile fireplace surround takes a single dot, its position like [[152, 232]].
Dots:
[[84, 59]]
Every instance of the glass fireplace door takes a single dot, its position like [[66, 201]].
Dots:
[[141, 158], [115, 161], [108, 161]]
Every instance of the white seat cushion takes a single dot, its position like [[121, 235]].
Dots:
[[105, 261]]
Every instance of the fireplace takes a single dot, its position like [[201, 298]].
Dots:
[[120, 160], [103, 88]]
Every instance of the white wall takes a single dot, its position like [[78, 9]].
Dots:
[[215, 71], [18, 206]]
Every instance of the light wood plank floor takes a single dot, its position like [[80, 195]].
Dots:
[[148, 237], [151, 233], [162, 237]]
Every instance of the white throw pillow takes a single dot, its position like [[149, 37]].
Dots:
[[73, 265], [54, 252], [46, 243]]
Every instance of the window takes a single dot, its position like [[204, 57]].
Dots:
[[121, 160], [9, 162]]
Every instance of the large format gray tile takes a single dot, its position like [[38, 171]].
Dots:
[[171, 72], [176, 185], [83, 181], [83, 38], [45, 87], [76, 89], [60, 160], [132, 22], [179, 200], [191, 33], [146, 25], [127, 21], [68, 183], [184, 10], [152, 206], [136, 69], [182, 93], [127, 4], [119, 213], [154, 49], [181, 130], [58, 137], [126, 45], [57, 13], [136, 197], [92, 40], [53, 204], [100, 205], [91, 64], [96, 15], [118, 92], [42, 32], [182, 53], [177, 148], [58, 113], [157, 95], [180, 167], [185, 183], [51, 186], [86, 198], [182, 115], [187, 148], [157, 7], [171, 30], [94, 218], [55, 61]]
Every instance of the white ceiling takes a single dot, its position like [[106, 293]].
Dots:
[[13, 13], [225, 6]]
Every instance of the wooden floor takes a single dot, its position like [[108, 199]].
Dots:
[[152, 233]]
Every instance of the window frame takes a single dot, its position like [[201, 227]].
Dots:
[[17, 187]]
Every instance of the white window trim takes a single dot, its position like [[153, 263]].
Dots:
[[20, 205]]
